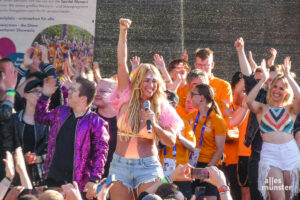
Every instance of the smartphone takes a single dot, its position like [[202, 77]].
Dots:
[[199, 173], [110, 179], [200, 192]]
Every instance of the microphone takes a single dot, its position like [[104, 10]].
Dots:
[[148, 122]]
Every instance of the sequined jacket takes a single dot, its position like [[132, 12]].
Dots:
[[91, 140]]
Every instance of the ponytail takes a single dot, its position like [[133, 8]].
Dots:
[[215, 107], [208, 94]]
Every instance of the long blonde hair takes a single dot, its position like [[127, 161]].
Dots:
[[132, 115], [289, 96]]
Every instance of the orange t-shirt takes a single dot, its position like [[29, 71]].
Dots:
[[230, 148], [222, 90], [182, 94], [242, 149], [215, 125], [181, 111], [182, 153]]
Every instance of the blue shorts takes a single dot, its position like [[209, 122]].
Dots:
[[132, 172]]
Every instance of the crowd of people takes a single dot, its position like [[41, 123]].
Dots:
[[149, 128]]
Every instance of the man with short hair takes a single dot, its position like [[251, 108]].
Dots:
[[195, 77], [78, 139], [106, 111], [205, 61]]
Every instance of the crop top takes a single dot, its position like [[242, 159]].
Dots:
[[277, 119], [143, 133]]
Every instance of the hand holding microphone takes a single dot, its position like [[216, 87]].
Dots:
[[147, 105]]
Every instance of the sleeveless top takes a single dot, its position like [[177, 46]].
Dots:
[[122, 128], [276, 119]]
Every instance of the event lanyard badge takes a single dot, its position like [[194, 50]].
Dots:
[[168, 163], [194, 156]]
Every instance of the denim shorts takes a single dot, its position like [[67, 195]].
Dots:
[[132, 172]]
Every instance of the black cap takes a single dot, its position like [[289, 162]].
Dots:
[[33, 84], [236, 78], [172, 97]]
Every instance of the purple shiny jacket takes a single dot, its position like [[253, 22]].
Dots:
[[91, 140]]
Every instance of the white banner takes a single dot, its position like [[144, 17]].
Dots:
[[58, 24]]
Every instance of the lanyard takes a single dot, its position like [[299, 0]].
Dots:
[[173, 152], [232, 107], [203, 127]]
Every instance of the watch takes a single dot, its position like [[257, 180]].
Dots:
[[223, 189]]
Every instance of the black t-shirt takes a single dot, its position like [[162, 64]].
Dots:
[[113, 130], [61, 167], [28, 138]]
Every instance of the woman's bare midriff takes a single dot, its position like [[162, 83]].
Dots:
[[277, 137], [135, 147]]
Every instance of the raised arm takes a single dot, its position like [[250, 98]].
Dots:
[[295, 87], [42, 114], [252, 62], [239, 114], [160, 64], [253, 105], [9, 174], [21, 168], [123, 72], [8, 80], [135, 62], [244, 64], [273, 57]]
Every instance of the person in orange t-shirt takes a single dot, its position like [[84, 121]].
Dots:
[[185, 143], [178, 70], [222, 89], [171, 157], [243, 158], [210, 131], [240, 111], [183, 112]]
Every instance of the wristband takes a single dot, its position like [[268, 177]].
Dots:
[[169, 178], [164, 180], [223, 189], [10, 92]]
